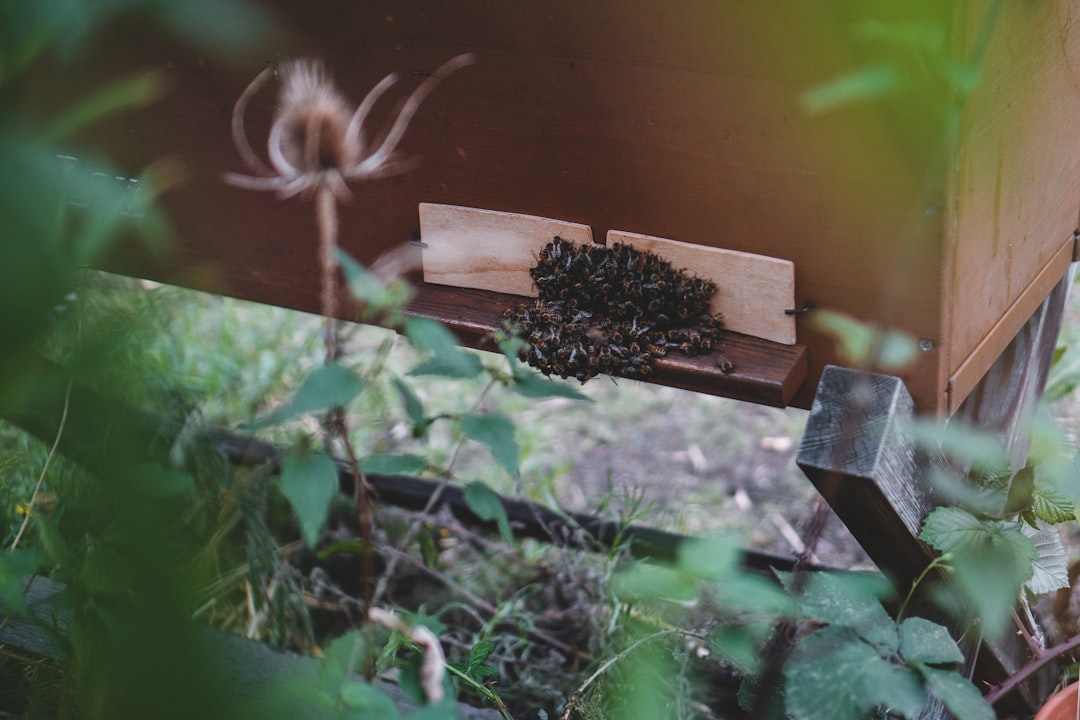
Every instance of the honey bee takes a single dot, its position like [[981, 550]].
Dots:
[[596, 335]]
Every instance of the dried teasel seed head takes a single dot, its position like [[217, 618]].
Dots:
[[313, 118]]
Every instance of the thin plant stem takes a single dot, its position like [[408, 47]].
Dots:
[[44, 469], [484, 690], [432, 502], [1033, 666], [326, 217], [576, 695], [941, 561]]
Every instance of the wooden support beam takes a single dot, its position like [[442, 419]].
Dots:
[[858, 456], [855, 452]]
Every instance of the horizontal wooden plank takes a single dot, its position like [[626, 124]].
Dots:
[[753, 291], [488, 249], [762, 372]]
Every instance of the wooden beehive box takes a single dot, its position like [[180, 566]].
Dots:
[[680, 120]]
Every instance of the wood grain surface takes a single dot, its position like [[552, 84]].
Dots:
[[752, 291], [487, 249]]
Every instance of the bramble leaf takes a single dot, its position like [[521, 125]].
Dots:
[[480, 652], [497, 432], [329, 386], [448, 360], [979, 449], [309, 482], [1050, 505], [830, 599], [377, 296], [531, 384], [993, 558], [459, 365], [14, 566], [371, 702], [648, 581], [1050, 569], [957, 693], [927, 642], [414, 408], [711, 559], [487, 505], [869, 82], [834, 674]]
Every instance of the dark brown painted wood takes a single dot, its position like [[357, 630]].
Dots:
[[682, 121]]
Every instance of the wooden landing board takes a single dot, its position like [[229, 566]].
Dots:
[[491, 250], [752, 290], [764, 372], [488, 249]]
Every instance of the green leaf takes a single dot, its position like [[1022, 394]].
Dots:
[[833, 674], [430, 335], [309, 482], [448, 359], [104, 572], [741, 645], [409, 678], [340, 658], [955, 530], [375, 295], [866, 83], [497, 432], [15, 566], [829, 598], [979, 449], [414, 408], [644, 580], [459, 365], [961, 698], [927, 642], [1064, 374], [713, 559], [374, 703], [1050, 569], [1050, 505], [351, 547], [393, 464], [365, 286], [856, 340], [53, 543], [329, 386], [136, 90], [487, 505], [993, 559], [446, 710], [480, 652], [155, 481], [531, 384]]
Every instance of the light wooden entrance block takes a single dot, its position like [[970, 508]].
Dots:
[[752, 291], [487, 249], [492, 250]]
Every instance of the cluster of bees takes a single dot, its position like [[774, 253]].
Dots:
[[612, 310]]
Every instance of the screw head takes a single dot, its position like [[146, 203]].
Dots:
[[926, 345]]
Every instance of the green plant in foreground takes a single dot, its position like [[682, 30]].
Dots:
[[861, 659]]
